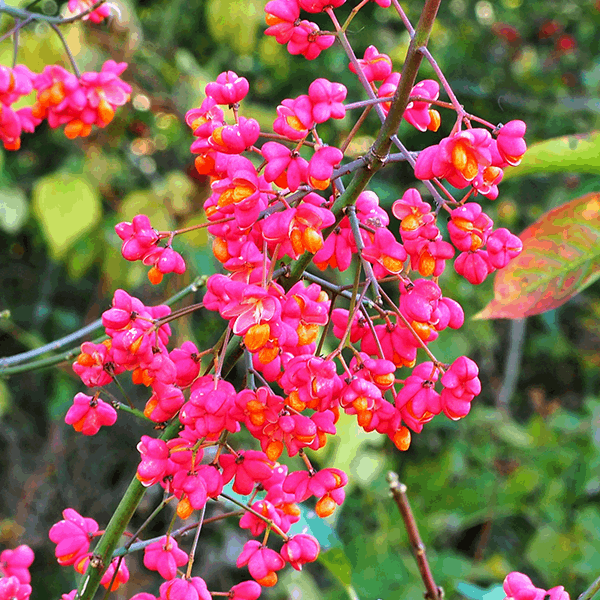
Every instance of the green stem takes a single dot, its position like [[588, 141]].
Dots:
[[591, 591], [26, 15], [103, 552]]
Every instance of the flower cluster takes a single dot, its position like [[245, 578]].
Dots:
[[98, 15], [14, 573], [269, 219], [140, 242], [62, 99]]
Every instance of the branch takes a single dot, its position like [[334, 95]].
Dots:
[[103, 552], [591, 591], [399, 493], [26, 15], [72, 337]]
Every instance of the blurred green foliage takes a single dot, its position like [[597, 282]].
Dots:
[[510, 487]]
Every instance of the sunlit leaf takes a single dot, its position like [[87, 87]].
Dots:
[[13, 209], [67, 207], [561, 257], [550, 549], [571, 153]]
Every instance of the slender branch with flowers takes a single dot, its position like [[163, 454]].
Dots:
[[279, 210]]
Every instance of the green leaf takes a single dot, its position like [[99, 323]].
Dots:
[[13, 209], [338, 564], [571, 153], [67, 207], [560, 258], [474, 592], [550, 550]]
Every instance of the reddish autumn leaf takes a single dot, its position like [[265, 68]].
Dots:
[[561, 257]]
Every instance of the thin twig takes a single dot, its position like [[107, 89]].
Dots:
[[67, 49], [77, 335], [398, 491], [591, 591]]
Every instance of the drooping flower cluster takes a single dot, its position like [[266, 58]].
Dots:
[[62, 99], [473, 157], [14, 573], [140, 242]]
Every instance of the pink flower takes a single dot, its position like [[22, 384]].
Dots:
[[122, 575], [163, 261], [326, 484], [72, 536], [558, 593], [16, 563], [89, 413], [247, 590], [417, 113], [248, 467], [511, 145], [327, 99], [155, 460], [138, 237], [317, 6], [256, 525], [294, 118], [262, 562], [228, 88], [234, 139], [105, 91], [10, 128], [94, 365], [473, 266], [299, 550], [417, 400], [12, 589], [320, 166], [187, 363], [469, 227], [15, 83], [502, 247], [386, 254], [306, 39], [164, 556], [284, 166], [375, 66], [456, 158], [461, 385], [518, 586], [281, 18], [487, 180], [339, 318], [96, 16], [185, 589]]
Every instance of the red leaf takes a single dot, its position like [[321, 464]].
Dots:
[[560, 258]]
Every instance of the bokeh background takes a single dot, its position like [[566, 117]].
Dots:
[[514, 486]]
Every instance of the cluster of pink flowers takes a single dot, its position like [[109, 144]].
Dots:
[[261, 213], [98, 15], [14, 573], [470, 232], [62, 99], [140, 242], [473, 157]]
